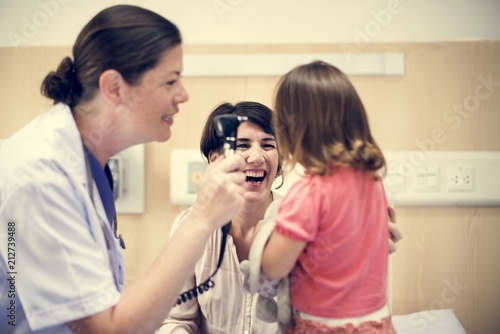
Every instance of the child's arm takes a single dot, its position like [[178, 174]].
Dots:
[[280, 255]]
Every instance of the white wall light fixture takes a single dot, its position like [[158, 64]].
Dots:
[[251, 65]]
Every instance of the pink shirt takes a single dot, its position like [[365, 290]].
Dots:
[[343, 217]]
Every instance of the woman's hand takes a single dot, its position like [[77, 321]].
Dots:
[[394, 232], [220, 192]]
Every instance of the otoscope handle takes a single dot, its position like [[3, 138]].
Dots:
[[227, 127]]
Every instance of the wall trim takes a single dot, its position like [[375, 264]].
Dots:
[[244, 65]]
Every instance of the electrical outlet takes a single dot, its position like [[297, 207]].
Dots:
[[195, 174], [445, 178], [461, 178]]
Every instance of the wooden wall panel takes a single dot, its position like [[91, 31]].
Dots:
[[448, 258]]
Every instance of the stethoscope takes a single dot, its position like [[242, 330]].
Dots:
[[107, 237]]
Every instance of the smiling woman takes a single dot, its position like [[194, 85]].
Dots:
[[154, 100], [260, 151], [120, 88], [255, 142], [228, 308]]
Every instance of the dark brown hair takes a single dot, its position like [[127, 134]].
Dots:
[[129, 39], [321, 122], [257, 114]]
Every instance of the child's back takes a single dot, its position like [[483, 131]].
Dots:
[[342, 217], [332, 226]]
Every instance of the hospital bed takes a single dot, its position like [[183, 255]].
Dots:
[[428, 322]]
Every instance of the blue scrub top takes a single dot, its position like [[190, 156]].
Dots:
[[104, 182]]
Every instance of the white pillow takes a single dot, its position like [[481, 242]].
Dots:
[[428, 322]]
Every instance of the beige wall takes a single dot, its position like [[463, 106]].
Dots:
[[449, 256]]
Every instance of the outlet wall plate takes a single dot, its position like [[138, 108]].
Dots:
[[436, 178], [461, 178], [186, 170], [452, 178], [413, 178]]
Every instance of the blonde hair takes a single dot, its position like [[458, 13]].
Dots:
[[321, 123]]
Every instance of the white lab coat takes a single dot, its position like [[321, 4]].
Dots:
[[63, 270]]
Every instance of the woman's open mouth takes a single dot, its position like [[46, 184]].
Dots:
[[168, 118], [255, 177]]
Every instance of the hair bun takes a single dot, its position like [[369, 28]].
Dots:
[[62, 85]]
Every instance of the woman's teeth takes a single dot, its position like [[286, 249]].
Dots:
[[255, 177]]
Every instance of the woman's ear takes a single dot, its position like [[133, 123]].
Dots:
[[111, 86], [212, 156]]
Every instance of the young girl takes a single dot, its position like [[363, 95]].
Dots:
[[331, 227]]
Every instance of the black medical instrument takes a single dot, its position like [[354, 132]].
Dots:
[[226, 127]]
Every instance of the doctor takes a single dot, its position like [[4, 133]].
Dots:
[[61, 266]]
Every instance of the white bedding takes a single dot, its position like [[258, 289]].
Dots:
[[428, 322]]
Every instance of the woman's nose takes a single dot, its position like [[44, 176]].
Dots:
[[255, 156], [182, 96]]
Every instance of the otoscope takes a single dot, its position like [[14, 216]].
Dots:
[[226, 127]]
